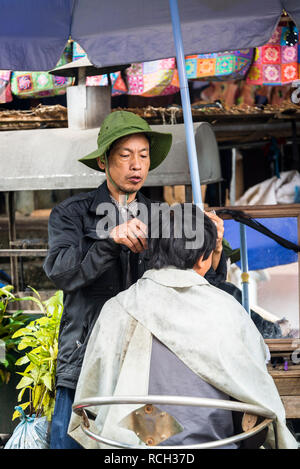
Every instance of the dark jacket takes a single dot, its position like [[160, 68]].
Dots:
[[89, 270]]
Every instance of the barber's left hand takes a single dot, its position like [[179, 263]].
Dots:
[[220, 229]]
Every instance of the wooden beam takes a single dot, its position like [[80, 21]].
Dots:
[[292, 406]]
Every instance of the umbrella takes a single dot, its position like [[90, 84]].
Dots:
[[33, 34]]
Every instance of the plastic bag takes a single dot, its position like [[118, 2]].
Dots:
[[31, 433]]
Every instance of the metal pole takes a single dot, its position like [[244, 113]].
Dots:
[[233, 177], [186, 104], [244, 265]]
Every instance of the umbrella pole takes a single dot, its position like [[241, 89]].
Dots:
[[244, 265], [191, 145], [186, 104]]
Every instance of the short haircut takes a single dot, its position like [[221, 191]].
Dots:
[[172, 250]]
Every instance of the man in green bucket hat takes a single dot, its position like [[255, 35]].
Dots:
[[91, 269]]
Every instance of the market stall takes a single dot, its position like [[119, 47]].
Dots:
[[223, 27]]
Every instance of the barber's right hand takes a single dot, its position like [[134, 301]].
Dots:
[[132, 234]]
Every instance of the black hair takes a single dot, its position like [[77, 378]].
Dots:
[[177, 248]]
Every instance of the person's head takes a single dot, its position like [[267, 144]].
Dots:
[[127, 163], [176, 249], [120, 131]]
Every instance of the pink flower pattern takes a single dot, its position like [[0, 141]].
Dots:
[[275, 63], [271, 73], [290, 73], [271, 54], [289, 54]]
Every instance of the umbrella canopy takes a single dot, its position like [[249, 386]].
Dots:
[[34, 33]]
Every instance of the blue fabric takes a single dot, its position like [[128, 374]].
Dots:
[[143, 31], [263, 252], [60, 421], [34, 33]]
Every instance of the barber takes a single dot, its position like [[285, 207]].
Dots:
[[88, 268]]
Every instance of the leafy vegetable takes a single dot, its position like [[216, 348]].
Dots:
[[40, 338], [9, 324]]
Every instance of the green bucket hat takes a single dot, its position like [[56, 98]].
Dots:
[[119, 124]]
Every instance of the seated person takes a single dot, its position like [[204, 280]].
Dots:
[[173, 333]]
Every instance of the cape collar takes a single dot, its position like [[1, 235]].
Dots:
[[176, 278]]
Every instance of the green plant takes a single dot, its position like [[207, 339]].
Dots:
[[9, 324], [40, 337]]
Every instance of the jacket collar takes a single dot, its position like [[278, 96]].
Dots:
[[176, 278], [102, 194]]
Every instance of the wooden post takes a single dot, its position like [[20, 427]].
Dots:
[[188, 193]]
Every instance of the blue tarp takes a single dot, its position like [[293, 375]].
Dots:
[[33, 33], [264, 252]]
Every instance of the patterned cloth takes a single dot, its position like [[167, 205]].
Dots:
[[160, 77], [5, 88], [78, 52], [41, 84], [118, 85], [219, 66], [155, 78], [275, 63]]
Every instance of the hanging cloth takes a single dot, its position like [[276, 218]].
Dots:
[[42, 84], [219, 66], [155, 78], [5, 88], [276, 63], [118, 86]]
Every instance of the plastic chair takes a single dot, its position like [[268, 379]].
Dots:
[[248, 410]]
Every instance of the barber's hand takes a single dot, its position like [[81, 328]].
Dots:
[[132, 234], [220, 229]]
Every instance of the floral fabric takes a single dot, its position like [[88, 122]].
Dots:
[[275, 63], [155, 78], [5, 88], [219, 66], [118, 85], [41, 84]]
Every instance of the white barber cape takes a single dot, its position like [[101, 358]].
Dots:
[[204, 326]]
